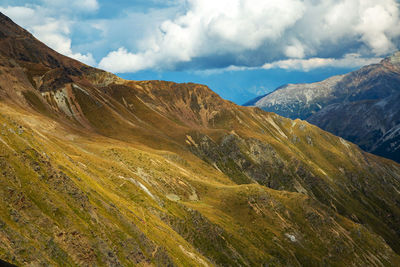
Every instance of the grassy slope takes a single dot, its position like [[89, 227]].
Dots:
[[100, 171], [68, 198]]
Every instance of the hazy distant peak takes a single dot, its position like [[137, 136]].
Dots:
[[395, 58]]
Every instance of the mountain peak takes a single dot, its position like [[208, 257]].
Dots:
[[9, 29], [395, 58], [348, 105]]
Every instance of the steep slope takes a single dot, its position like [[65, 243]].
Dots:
[[368, 123], [96, 170], [361, 106]]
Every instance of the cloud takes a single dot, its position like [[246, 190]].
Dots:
[[54, 32], [123, 61], [295, 50], [72, 5], [375, 25], [21, 14], [224, 35], [248, 33], [349, 60], [210, 27], [352, 60]]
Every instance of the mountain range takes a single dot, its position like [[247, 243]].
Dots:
[[100, 171], [361, 106]]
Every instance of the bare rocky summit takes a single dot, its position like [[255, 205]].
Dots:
[[361, 106]]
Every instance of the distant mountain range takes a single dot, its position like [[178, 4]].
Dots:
[[96, 170], [362, 106]]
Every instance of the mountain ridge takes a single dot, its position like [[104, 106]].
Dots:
[[97, 170], [331, 105]]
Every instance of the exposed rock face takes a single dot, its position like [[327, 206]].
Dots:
[[99, 171], [361, 106], [299, 100]]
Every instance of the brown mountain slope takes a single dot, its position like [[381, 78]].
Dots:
[[96, 170]]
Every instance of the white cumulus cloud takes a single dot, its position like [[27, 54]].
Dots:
[[377, 24], [218, 34], [123, 61], [248, 33], [210, 27]]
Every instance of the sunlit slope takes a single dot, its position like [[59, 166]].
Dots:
[[96, 170], [74, 198]]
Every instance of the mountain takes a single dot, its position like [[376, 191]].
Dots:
[[100, 171], [361, 106]]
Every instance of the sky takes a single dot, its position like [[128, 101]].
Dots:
[[239, 48]]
